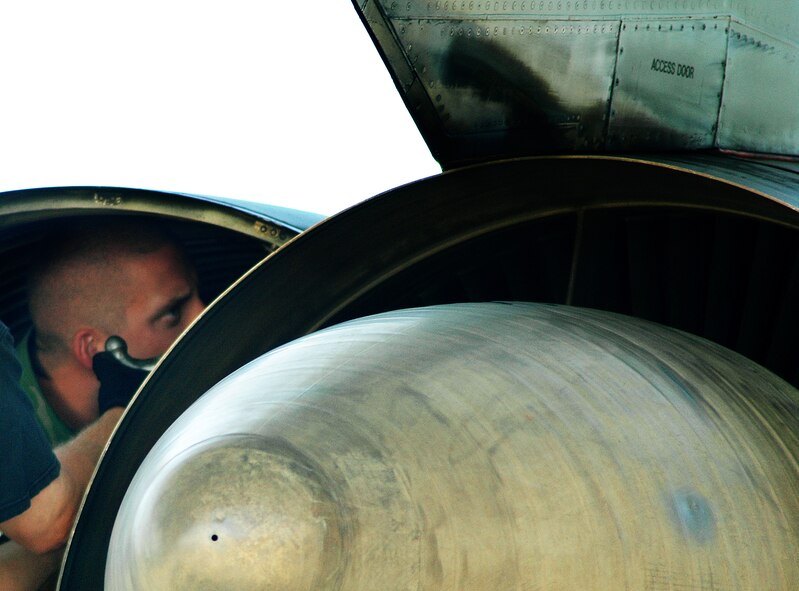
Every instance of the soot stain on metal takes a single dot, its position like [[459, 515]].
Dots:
[[498, 76]]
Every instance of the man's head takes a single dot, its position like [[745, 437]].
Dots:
[[94, 281]]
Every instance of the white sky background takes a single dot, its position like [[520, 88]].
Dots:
[[284, 102]]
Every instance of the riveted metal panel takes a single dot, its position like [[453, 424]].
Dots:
[[779, 17], [542, 81], [760, 111], [483, 79], [668, 83], [552, 8]]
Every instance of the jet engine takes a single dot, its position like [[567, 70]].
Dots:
[[708, 246], [554, 446], [474, 446]]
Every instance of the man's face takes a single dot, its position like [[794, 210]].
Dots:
[[162, 301]]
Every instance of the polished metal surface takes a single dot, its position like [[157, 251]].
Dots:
[[487, 79], [373, 258], [775, 180], [474, 447]]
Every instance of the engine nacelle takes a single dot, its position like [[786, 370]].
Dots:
[[475, 446]]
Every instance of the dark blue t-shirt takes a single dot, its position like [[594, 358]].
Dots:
[[27, 463]]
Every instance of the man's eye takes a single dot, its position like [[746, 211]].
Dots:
[[172, 316]]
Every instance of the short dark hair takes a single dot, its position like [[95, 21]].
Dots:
[[89, 243]]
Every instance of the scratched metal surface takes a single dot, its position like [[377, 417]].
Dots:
[[492, 78], [473, 447], [372, 257]]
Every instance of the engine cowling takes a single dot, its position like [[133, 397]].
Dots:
[[705, 245], [474, 446]]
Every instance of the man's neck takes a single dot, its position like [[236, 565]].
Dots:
[[70, 390]]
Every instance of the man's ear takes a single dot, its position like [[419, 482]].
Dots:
[[87, 342]]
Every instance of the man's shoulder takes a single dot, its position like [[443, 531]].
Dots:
[[31, 468]]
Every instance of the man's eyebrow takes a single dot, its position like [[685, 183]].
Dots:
[[176, 302]]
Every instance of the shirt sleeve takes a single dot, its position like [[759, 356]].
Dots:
[[28, 463]]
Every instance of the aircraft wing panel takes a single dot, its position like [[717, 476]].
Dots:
[[761, 91], [487, 80]]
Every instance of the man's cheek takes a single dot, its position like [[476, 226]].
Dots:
[[164, 341], [144, 344]]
